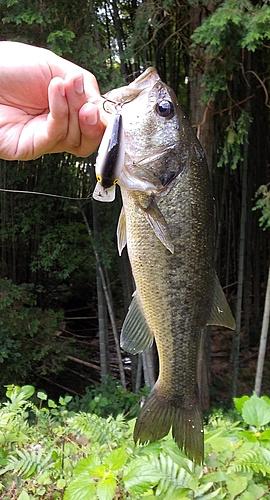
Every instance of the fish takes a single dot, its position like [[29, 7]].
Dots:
[[110, 159], [167, 223]]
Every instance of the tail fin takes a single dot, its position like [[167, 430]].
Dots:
[[157, 416]]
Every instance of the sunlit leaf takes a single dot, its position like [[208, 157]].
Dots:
[[256, 411], [106, 488], [82, 488], [116, 459]]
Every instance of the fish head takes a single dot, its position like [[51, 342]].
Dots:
[[155, 129]]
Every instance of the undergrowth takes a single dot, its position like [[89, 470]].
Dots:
[[48, 451]]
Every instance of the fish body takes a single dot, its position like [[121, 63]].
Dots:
[[167, 224]]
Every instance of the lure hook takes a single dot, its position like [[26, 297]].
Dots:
[[117, 105]]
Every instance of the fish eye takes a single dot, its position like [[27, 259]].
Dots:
[[99, 178], [165, 108]]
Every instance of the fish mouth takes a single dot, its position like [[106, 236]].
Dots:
[[147, 79], [112, 101], [116, 98]]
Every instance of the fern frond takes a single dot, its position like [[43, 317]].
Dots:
[[27, 463], [98, 429], [250, 460], [173, 477]]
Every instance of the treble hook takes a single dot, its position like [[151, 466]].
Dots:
[[117, 105]]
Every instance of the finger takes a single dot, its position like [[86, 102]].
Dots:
[[52, 126], [91, 87], [76, 98], [57, 122], [92, 128]]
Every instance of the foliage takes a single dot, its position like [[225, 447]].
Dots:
[[49, 452], [58, 27], [236, 136], [233, 26], [223, 45], [29, 344], [108, 398], [263, 204]]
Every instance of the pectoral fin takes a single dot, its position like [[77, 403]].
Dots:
[[121, 231], [220, 313], [135, 334], [158, 224]]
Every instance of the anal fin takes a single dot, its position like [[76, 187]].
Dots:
[[135, 334], [220, 313]]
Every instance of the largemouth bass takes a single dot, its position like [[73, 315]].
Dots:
[[167, 224]]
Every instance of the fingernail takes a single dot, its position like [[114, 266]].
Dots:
[[78, 85], [92, 118], [61, 88]]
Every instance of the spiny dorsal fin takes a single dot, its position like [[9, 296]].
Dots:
[[220, 313], [158, 224], [121, 231], [135, 334]]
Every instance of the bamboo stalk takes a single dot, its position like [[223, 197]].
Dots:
[[82, 362], [109, 304], [263, 340]]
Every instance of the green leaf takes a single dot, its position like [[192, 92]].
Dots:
[[82, 488], [42, 395], [61, 483], [44, 478], [239, 403], [254, 491], [51, 404], [106, 488], [85, 464], [141, 476], [98, 471], [116, 459], [256, 411], [23, 496], [214, 494], [27, 391], [217, 477], [236, 484], [265, 435]]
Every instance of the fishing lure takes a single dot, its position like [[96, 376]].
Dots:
[[110, 159]]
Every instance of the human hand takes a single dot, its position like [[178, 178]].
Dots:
[[43, 104]]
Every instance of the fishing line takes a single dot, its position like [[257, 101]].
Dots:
[[44, 194]]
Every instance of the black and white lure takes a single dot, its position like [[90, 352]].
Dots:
[[110, 159]]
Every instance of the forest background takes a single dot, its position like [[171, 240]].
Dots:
[[64, 289]]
